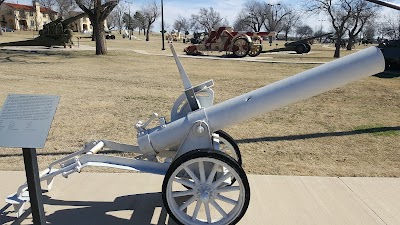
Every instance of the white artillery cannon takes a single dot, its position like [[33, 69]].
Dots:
[[204, 182]]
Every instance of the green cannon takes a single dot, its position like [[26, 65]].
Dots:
[[55, 33]]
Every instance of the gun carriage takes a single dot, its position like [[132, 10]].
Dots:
[[204, 181], [300, 46], [55, 33], [225, 39]]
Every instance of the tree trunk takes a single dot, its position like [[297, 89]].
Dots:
[[350, 43], [97, 17], [99, 34], [147, 33], [337, 48], [286, 35]]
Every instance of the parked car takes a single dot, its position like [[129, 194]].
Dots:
[[6, 29], [109, 35], [366, 41]]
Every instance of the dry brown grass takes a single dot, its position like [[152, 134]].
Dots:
[[350, 131]]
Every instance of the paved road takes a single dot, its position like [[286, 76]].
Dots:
[[259, 59], [128, 198]]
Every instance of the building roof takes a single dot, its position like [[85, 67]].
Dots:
[[29, 8]]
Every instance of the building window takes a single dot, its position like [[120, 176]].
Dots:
[[32, 23], [3, 17], [22, 14], [31, 13]]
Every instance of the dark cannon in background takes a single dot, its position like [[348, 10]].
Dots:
[[301, 46], [197, 37], [391, 52], [390, 49], [55, 33]]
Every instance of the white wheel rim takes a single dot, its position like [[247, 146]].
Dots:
[[210, 200]]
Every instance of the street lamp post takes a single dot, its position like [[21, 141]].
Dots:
[[162, 24], [274, 21], [276, 13], [320, 39], [129, 20], [321, 23]]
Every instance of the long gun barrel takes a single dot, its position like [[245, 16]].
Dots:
[[274, 96], [66, 22], [307, 39], [387, 4]]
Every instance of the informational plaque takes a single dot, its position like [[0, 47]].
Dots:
[[25, 120]]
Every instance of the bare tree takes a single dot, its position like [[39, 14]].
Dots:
[[66, 8], [363, 12], [150, 13], [254, 14], [181, 24], [207, 19], [339, 13], [381, 30], [275, 15], [128, 21], [48, 3], [140, 22], [392, 26], [290, 21], [97, 14], [242, 22], [257, 14], [116, 17], [369, 31], [304, 31]]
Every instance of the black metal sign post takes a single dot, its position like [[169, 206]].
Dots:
[[25, 122], [35, 191]]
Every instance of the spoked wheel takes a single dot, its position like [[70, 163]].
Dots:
[[210, 200], [229, 146], [256, 47], [241, 47]]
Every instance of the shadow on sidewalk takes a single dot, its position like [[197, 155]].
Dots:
[[140, 209]]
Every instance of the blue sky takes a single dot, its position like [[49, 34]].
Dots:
[[227, 8]]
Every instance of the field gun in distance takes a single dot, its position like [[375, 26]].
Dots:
[[55, 33]]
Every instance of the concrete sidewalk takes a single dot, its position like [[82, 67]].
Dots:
[[128, 198]]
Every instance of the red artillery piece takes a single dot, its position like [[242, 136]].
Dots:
[[225, 39]]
